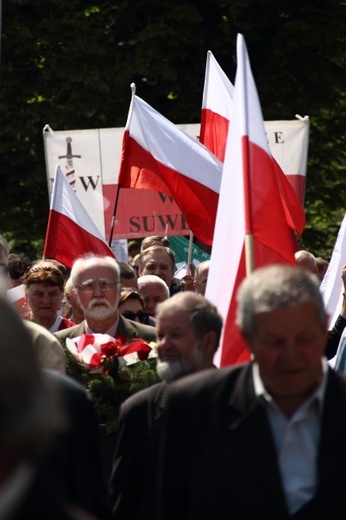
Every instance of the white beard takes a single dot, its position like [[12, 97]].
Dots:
[[98, 312], [170, 371]]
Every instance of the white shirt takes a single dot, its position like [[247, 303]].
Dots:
[[296, 441], [56, 324], [111, 331]]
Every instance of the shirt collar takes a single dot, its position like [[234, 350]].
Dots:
[[318, 393], [111, 331]]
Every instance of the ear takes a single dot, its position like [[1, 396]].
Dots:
[[209, 342]]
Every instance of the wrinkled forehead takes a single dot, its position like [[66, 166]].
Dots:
[[95, 269], [157, 257], [151, 288]]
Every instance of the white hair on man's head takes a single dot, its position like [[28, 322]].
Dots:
[[152, 278], [84, 260], [275, 287]]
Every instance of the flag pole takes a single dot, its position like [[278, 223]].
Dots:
[[133, 92], [189, 256], [113, 217], [249, 242]]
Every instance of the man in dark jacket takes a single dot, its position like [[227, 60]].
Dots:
[[188, 332]]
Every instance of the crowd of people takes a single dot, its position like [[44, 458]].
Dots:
[[264, 438]]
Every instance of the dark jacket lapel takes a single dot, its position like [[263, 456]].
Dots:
[[249, 427]]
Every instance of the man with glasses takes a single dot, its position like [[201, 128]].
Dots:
[[96, 282]]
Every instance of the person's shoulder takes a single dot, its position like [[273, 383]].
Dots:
[[149, 402], [75, 398], [64, 382], [149, 329], [49, 349], [70, 332], [141, 330], [208, 382], [152, 393], [37, 330]]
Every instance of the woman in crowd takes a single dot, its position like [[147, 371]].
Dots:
[[131, 305], [44, 290]]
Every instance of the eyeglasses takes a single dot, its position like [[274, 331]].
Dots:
[[142, 316], [89, 286]]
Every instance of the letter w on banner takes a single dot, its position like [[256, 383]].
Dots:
[[70, 232], [250, 204]]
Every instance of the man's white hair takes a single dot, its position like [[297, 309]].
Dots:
[[153, 279]]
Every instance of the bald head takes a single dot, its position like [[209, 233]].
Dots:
[[204, 315], [307, 260], [153, 291]]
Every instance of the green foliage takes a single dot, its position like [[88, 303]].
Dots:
[[109, 390], [71, 65]]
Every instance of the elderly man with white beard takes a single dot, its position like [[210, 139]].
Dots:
[[188, 334], [96, 283]]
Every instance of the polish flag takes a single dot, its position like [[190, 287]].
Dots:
[[70, 231], [216, 116], [332, 287], [157, 155], [16, 296], [217, 106], [250, 211]]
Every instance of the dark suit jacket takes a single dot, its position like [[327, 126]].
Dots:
[[219, 460], [130, 328], [133, 480], [68, 474], [73, 464]]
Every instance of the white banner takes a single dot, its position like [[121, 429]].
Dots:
[[94, 158]]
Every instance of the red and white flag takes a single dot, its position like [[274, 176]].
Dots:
[[158, 155], [16, 296], [332, 287], [250, 205], [70, 231], [216, 116], [217, 106]]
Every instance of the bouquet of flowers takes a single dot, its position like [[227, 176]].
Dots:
[[111, 370]]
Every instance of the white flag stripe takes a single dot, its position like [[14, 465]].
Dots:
[[16, 293], [217, 100], [177, 150], [332, 286], [65, 201], [229, 231]]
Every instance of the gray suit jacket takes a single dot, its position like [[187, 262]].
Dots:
[[219, 460], [130, 328]]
